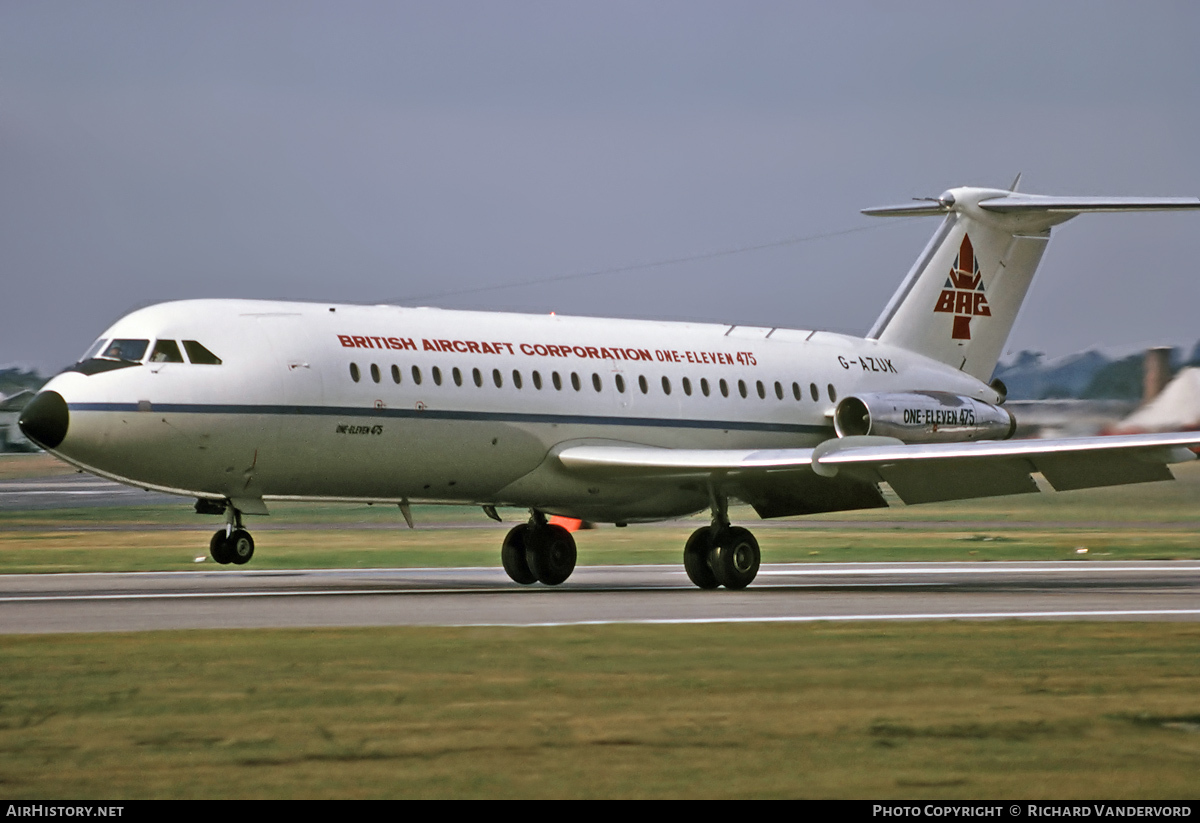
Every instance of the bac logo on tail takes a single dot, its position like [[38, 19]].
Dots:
[[963, 294]]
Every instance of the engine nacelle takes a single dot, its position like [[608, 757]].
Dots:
[[922, 417]]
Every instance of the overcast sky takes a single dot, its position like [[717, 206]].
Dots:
[[417, 152]]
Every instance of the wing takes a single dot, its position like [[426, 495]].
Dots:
[[845, 473]]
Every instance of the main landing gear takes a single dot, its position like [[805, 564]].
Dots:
[[721, 554], [716, 555], [538, 552], [232, 544]]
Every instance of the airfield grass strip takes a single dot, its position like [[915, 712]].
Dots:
[[929, 710], [1151, 521], [23, 552]]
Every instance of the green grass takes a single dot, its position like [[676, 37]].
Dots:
[[38, 551], [938, 710], [948, 710], [1148, 521]]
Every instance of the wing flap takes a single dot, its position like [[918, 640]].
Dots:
[[786, 494], [1066, 472], [923, 482]]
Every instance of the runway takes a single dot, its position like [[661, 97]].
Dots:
[[595, 595], [75, 491]]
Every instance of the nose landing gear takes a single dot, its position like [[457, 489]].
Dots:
[[237, 547], [232, 544]]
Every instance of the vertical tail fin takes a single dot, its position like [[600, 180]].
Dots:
[[961, 298]]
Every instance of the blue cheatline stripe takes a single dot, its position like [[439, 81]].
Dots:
[[441, 414]]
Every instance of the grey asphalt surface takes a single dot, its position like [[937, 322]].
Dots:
[[801, 592], [74, 491], [213, 597]]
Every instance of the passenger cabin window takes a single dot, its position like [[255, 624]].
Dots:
[[724, 388], [516, 378], [354, 375], [666, 384], [832, 393], [477, 376], [416, 373], [596, 381], [799, 395], [575, 381], [537, 380], [198, 354], [642, 384], [457, 375], [437, 375], [620, 383], [687, 387], [166, 351], [396, 374], [129, 350], [496, 378], [704, 386], [556, 380], [375, 372]]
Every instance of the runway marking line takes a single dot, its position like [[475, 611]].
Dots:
[[802, 570]]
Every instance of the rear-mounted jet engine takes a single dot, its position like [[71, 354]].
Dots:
[[923, 417]]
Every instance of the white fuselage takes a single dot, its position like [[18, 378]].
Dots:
[[454, 406]]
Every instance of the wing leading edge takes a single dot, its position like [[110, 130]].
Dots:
[[841, 474]]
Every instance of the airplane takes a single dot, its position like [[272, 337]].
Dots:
[[239, 403]]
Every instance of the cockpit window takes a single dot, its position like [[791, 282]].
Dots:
[[130, 351], [166, 351], [198, 354], [95, 350]]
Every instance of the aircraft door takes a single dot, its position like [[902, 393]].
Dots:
[[302, 396], [294, 350]]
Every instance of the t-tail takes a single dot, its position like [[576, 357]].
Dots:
[[961, 298]]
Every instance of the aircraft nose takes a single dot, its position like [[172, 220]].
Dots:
[[45, 419]]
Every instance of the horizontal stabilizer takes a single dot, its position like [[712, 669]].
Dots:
[[924, 208], [1036, 203], [1017, 203]]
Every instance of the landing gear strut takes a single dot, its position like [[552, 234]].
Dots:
[[538, 552], [232, 544], [721, 554]]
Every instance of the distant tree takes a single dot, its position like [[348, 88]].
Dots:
[[1119, 380], [1194, 357], [15, 380]]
